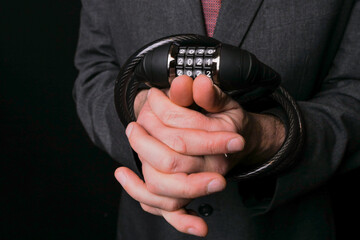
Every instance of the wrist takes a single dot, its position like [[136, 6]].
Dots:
[[264, 135]]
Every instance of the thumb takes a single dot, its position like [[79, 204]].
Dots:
[[210, 97], [180, 91]]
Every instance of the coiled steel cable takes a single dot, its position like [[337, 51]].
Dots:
[[126, 87]]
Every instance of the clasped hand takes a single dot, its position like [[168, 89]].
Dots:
[[182, 150]]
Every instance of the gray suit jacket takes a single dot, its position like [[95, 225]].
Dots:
[[291, 37]]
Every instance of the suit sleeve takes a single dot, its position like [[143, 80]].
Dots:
[[96, 62], [332, 121]]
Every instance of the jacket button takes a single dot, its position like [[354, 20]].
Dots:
[[205, 210]]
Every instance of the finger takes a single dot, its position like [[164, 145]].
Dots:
[[136, 188], [173, 115], [199, 142], [182, 220], [181, 91], [185, 222], [181, 185], [179, 218], [210, 97], [189, 141], [165, 159], [149, 209], [158, 154]]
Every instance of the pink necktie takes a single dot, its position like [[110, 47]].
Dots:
[[211, 11]]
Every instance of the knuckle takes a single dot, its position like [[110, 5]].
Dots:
[[189, 190], [170, 116], [178, 144], [211, 146], [149, 209], [172, 205], [146, 208], [143, 117], [152, 187], [170, 164]]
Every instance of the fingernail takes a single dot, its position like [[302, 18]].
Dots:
[[148, 93], [129, 129], [193, 231], [121, 177], [215, 186], [235, 144]]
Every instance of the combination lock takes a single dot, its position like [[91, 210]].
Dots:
[[236, 71], [193, 61]]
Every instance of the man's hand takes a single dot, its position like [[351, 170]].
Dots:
[[264, 134], [182, 150], [165, 193]]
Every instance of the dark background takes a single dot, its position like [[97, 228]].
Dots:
[[55, 183]]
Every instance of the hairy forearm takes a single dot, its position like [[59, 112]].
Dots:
[[264, 135]]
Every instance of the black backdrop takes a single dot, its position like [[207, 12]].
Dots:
[[57, 185]]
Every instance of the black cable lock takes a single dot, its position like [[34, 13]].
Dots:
[[237, 72]]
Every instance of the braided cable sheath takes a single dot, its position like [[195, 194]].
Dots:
[[126, 87]]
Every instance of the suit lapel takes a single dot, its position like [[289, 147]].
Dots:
[[235, 19]]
